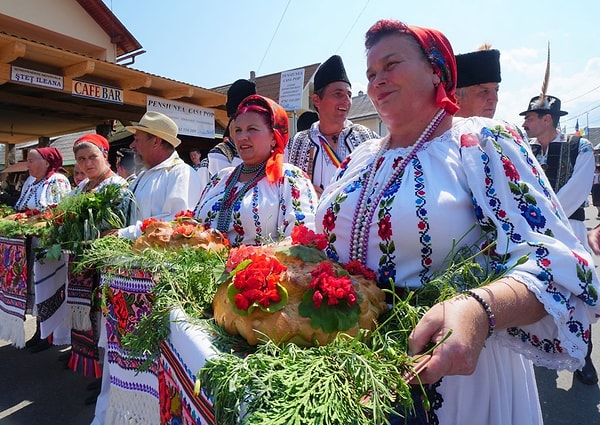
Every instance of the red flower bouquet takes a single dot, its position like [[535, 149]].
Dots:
[[290, 292]]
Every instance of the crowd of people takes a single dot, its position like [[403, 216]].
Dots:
[[447, 172]]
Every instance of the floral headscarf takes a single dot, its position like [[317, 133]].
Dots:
[[54, 158], [437, 50], [278, 121]]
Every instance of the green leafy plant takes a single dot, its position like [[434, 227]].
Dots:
[[79, 219]]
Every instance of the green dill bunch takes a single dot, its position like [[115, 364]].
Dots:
[[79, 219]]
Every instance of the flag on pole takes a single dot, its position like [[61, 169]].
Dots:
[[577, 127]]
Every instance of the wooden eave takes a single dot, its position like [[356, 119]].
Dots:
[[111, 25], [28, 111]]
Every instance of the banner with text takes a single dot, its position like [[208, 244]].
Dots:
[[192, 120], [291, 88]]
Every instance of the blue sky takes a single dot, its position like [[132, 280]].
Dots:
[[212, 43]]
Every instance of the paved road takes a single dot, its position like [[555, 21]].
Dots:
[[37, 389]]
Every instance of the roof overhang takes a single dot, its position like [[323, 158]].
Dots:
[[30, 111]]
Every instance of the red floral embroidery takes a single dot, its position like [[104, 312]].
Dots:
[[385, 228], [121, 311], [469, 140], [329, 220], [510, 170]]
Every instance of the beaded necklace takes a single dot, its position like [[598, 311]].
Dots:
[[89, 187], [251, 169], [231, 195], [363, 214], [32, 190]]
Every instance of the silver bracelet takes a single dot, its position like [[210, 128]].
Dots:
[[488, 311]]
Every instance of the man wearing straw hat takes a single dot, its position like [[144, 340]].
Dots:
[[167, 184]]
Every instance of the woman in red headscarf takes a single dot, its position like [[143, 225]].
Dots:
[[263, 198], [91, 154], [401, 204], [45, 186]]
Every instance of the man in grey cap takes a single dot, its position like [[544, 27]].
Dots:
[[319, 150], [477, 84], [568, 163]]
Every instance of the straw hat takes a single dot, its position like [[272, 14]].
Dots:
[[158, 125]]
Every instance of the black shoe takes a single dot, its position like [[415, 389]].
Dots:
[[41, 346], [587, 374], [64, 357], [34, 340]]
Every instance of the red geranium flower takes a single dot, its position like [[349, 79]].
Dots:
[[147, 222], [184, 214], [302, 235], [356, 268]]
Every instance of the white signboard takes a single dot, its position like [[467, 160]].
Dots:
[[290, 89], [192, 120], [36, 78]]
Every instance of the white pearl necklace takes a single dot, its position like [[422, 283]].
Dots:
[[363, 215]]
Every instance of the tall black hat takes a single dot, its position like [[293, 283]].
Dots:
[[479, 67], [330, 71], [237, 92], [547, 104]]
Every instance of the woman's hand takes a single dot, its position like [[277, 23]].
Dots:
[[467, 321], [594, 239], [510, 301]]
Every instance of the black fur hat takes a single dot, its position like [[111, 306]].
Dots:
[[330, 71], [479, 67], [237, 92]]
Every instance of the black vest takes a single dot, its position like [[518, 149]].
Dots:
[[557, 152]]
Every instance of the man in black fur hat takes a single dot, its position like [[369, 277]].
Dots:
[[224, 154], [477, 82], [320, 149]]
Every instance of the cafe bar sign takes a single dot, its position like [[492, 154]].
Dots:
[[97, 92], [36, 78]]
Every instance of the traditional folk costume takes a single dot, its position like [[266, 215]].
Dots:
[[309, 149], [468, 175], [267, 207], [264, 212], [47, 191], [224, 154], [161, 192]]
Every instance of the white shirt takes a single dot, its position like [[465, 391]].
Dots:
[[161, 192]]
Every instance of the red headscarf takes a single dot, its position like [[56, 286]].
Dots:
[[278, 120], [94, 139], [437, 50], [54, 158]]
